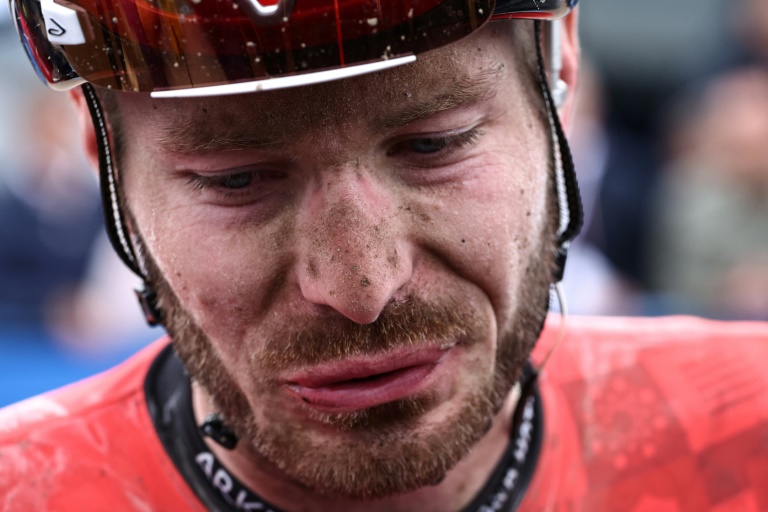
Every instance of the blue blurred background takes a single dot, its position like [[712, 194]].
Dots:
[[671, 144], [67, 308]]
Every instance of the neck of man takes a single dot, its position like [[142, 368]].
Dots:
[[460, 485]]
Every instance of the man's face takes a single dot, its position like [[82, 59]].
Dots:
[[356, 271]]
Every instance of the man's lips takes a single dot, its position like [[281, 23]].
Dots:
[[366, 381]]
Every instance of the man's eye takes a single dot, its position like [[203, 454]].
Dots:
[[240, 188], [239, 180], [437, 146], [427, 145], [235, 181]]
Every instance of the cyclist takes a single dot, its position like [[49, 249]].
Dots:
[[348, 216]]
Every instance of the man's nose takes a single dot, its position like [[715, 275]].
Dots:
[[355, 254]]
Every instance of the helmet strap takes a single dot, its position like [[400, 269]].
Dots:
[[569, 205], [566, 186], [114, 220]]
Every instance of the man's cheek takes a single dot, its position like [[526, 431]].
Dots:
[[210, 279], [486, 231]]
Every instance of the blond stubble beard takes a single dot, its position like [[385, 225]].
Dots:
[[384, 451]]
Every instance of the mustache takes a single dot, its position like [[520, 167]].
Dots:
[[409, 322]]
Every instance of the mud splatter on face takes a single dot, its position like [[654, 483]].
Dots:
[[385, 453]]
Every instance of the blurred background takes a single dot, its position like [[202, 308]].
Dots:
[[67, 308], [671, 145]]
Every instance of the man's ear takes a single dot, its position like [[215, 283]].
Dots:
[[87, 131], [570, 72]]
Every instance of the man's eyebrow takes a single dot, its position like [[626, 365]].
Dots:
[[199, 137], [461, 92]]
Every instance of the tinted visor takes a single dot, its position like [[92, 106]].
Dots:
[[161, 45]]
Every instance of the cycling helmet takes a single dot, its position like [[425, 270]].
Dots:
[[243, 45]]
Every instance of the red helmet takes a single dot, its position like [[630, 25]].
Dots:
[[231, 46]]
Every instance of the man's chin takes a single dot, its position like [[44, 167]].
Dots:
[[383, 451], [392, 416]]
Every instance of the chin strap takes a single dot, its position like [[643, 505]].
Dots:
[[571, 216], [114, 221], [147, 298], [568, 197]]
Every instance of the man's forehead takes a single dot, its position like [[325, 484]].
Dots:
[[462, 73]]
